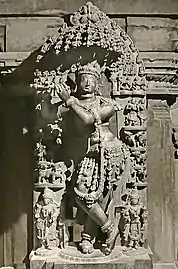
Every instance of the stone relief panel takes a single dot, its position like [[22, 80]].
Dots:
[[135, 112], [84, 174]]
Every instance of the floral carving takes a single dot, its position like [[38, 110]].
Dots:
[[90, 27]]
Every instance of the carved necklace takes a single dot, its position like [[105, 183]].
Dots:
[[95, 104], [93, 108]]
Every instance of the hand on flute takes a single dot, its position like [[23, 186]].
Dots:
[[62, 91]]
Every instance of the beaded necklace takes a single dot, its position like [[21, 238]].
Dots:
[[93, 108], [93, 104]]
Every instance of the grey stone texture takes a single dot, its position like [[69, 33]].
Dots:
[[2, 37], [38, 28], [174, 119], [128, 262], [148, 33], [153, 34], [26, 33], [161, 185], [113, 6], [136, 265], [164, 266]]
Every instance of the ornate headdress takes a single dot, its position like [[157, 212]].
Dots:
[[92, 68], [48, 194], [134, 193]]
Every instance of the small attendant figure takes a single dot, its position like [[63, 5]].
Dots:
[[134, 215], [46, 213], [132, 113]]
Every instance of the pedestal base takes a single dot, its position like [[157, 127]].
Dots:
[[71, 258]]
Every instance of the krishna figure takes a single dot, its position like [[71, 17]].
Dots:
[[102, 166]]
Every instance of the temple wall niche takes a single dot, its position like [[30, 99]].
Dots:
[[154, 32]]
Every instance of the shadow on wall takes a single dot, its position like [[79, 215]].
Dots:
[[16, 163]]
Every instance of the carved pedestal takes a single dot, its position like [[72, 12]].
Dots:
[[137, 259]]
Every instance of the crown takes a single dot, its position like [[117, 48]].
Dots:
[[134, 193], [48, 194], [92, 68]]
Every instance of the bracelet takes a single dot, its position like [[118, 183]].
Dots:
[[70, 101]]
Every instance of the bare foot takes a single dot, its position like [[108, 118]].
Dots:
[[86, 247]]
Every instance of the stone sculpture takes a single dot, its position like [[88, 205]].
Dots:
[[135, 112], [46, 213], [73, 112], [50, 229], [135, 221], [103, 164]]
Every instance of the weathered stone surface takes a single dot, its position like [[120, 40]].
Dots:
[[174, 118], [27, 34], [142, 264], [17, 29], [108, 266], [2, 37], [7, 267], [131, 6], [90, 266], [160, 182], [148, 33], [89, 30], [137, 260], [153, 33], [38, 29], [49, 265], [20, 266], [120, 21], [37, 264], [164, 266], [145, 264]]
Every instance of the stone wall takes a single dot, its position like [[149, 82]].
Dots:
[[28, 33], [112, 6]]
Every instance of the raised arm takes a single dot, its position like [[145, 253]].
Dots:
[[87, 117], [72, 104]]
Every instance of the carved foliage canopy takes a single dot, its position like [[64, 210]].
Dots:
[[91, 29]]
